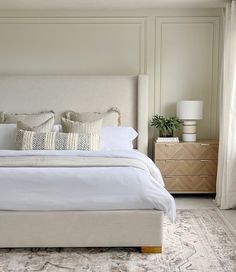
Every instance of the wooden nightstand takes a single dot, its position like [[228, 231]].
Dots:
[[188, 167]]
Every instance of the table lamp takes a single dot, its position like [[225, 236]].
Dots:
[[189, 111]]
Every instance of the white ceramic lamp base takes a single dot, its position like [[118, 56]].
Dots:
[[189, 137], [189, 131]]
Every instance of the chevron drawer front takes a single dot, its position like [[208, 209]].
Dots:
[[193, 184], [188, 167], [198, 150]]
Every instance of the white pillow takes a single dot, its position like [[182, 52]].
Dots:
[[56, 128], [117, 138], [7, 136]]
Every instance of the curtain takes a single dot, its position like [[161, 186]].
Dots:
[[226, 175]]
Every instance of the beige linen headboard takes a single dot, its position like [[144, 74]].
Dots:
[[26, 93]]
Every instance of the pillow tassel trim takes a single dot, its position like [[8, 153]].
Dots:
[[115, 109]]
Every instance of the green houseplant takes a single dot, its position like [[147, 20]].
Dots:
[[167, 126]]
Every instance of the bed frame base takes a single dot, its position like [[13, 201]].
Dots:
[[151, 249], [123, 228]]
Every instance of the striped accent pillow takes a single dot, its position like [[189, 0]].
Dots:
[[46, 126], [69, 126], [29, 140]]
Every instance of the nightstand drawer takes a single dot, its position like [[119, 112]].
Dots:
[[187, 167], [190, 151], [190, 183]]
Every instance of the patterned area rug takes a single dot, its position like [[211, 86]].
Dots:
[[199, 241]]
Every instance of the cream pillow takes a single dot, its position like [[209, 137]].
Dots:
[[34, 119], [110, 118], [46, 126], [69, 126], [29, 140]]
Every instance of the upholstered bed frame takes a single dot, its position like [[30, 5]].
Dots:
[[123, 228]]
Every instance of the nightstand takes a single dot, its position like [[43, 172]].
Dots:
[[188, 167]]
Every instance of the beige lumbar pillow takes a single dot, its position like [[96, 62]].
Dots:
[[69, 126], [29, 140], [46, 126], [110, 118], [34, 119]]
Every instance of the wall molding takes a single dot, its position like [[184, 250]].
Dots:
[[139, 21], [149, 26], [214, 22]]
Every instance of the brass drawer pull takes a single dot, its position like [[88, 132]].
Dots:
[[204, 160], [204, 144]]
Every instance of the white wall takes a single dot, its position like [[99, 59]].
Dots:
[[178, 49]]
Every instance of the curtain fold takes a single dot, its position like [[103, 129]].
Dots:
[[226, 175]]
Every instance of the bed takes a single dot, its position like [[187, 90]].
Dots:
[[123, 211]]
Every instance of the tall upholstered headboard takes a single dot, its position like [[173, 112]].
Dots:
[[27, 93]]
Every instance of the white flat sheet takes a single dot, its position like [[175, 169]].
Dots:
[[84, 188]]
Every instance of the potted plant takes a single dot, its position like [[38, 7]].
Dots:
[[166, 126]]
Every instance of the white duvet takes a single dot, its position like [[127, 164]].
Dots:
[[84, 188]]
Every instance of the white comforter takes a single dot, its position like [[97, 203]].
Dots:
[[83, 188]]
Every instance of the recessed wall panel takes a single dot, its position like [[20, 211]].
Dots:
[[186, 60], [70, 48]]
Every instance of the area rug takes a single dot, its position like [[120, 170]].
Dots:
[[200, 240]]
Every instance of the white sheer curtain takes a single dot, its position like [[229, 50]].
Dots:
[[226, 176]]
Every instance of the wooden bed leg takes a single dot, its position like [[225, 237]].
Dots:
[[151, 249]]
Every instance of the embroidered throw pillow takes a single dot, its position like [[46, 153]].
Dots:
[[110, 118], [29, 140]]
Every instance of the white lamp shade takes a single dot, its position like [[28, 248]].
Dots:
[[190, 110]]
